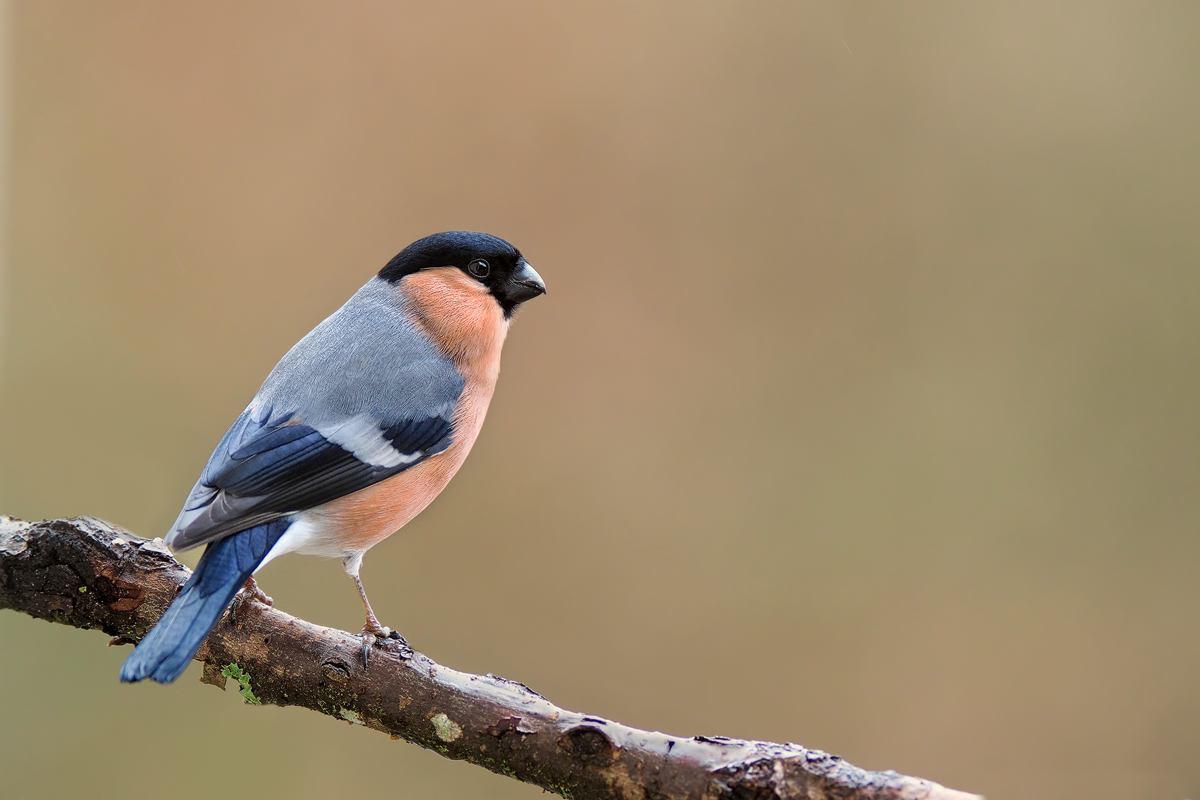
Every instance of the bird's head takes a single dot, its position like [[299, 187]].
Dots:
[[488, 259]]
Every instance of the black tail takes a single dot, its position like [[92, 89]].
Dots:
[[226, 564]]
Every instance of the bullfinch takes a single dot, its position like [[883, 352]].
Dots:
[[355, 431]]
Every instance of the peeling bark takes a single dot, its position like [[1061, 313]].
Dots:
[[89, 574]]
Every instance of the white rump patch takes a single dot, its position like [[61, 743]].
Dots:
[[308, 535]]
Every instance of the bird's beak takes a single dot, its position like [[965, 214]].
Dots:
[[525, 283]]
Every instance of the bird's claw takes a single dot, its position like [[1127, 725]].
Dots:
[[378, 635], [368, 641], [249, 591]]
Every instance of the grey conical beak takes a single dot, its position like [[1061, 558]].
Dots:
[[525, 284]]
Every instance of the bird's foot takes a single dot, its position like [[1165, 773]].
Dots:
[[249, 591], [373, 634]]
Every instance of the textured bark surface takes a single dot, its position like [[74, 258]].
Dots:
[[89, 574]]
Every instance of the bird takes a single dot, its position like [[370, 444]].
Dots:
[[353, 433]]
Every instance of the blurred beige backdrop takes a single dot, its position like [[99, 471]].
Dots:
[[862, 410]]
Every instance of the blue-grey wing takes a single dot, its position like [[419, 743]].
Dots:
[[361, 398]]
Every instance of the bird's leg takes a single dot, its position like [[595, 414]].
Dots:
[[372, 631], [249, 591]]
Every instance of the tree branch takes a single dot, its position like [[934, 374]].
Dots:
[[89, 574]]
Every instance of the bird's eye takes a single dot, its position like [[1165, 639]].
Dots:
[[479, 268]]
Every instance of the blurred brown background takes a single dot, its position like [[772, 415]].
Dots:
[[862, 411]]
